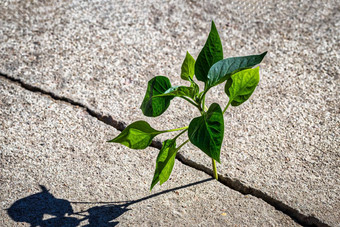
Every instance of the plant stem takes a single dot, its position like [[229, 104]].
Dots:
[[214, 168], [182, 144], [203, 102], [185, 98], [226, 106], [176, 129], [203, 99], [180, 134], [205, 107]]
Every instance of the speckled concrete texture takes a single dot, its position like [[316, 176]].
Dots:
[[58, 146], [283, 141]]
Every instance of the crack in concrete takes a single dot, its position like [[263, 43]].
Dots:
[[233, 184], [236, 185]]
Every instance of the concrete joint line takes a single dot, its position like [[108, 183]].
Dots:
[[234, 184]]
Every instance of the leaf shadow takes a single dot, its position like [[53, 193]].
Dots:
[[33, 208]]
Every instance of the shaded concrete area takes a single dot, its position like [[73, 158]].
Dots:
[[85, 180], [284, 141]]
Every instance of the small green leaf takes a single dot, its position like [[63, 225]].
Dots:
[[227, 86], [154, 106], [211, 53], [179, 91], [195, 87], [165, 162], [222, 70], [137, 135], [241, 85], [207, 131], [188, 67]]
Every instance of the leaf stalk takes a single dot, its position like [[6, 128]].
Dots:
[[176, 129], [225, 109], [185, 142], [180, 134], [191, 102]]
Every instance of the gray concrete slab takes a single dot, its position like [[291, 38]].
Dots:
[[284, 140], [51, 143]]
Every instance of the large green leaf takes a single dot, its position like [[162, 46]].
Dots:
[[165, 162], [222, 70], [188, 67], [155, 106], [241, 85], [207, 131], [211, 53], [137, 135]]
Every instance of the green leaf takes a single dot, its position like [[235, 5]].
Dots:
[[241, 85], [165, 162], [179, 91], [207, 131], [188, 67], [155, 106], [137, 135], [211, 53], [222, 70], [227, 86], [195, 87]]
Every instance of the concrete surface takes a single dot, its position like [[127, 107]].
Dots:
[[58, 146], [283, 141]]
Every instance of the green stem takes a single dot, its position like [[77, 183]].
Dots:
[[176, 129], [182, 144], [180, 134], [205, 107], [227, 106], [214, 168], [203, 99], [203, 102], [185, 98]]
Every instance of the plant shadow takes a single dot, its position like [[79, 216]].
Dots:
[[33, 208]]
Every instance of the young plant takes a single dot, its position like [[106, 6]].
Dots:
[[206, 131]]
